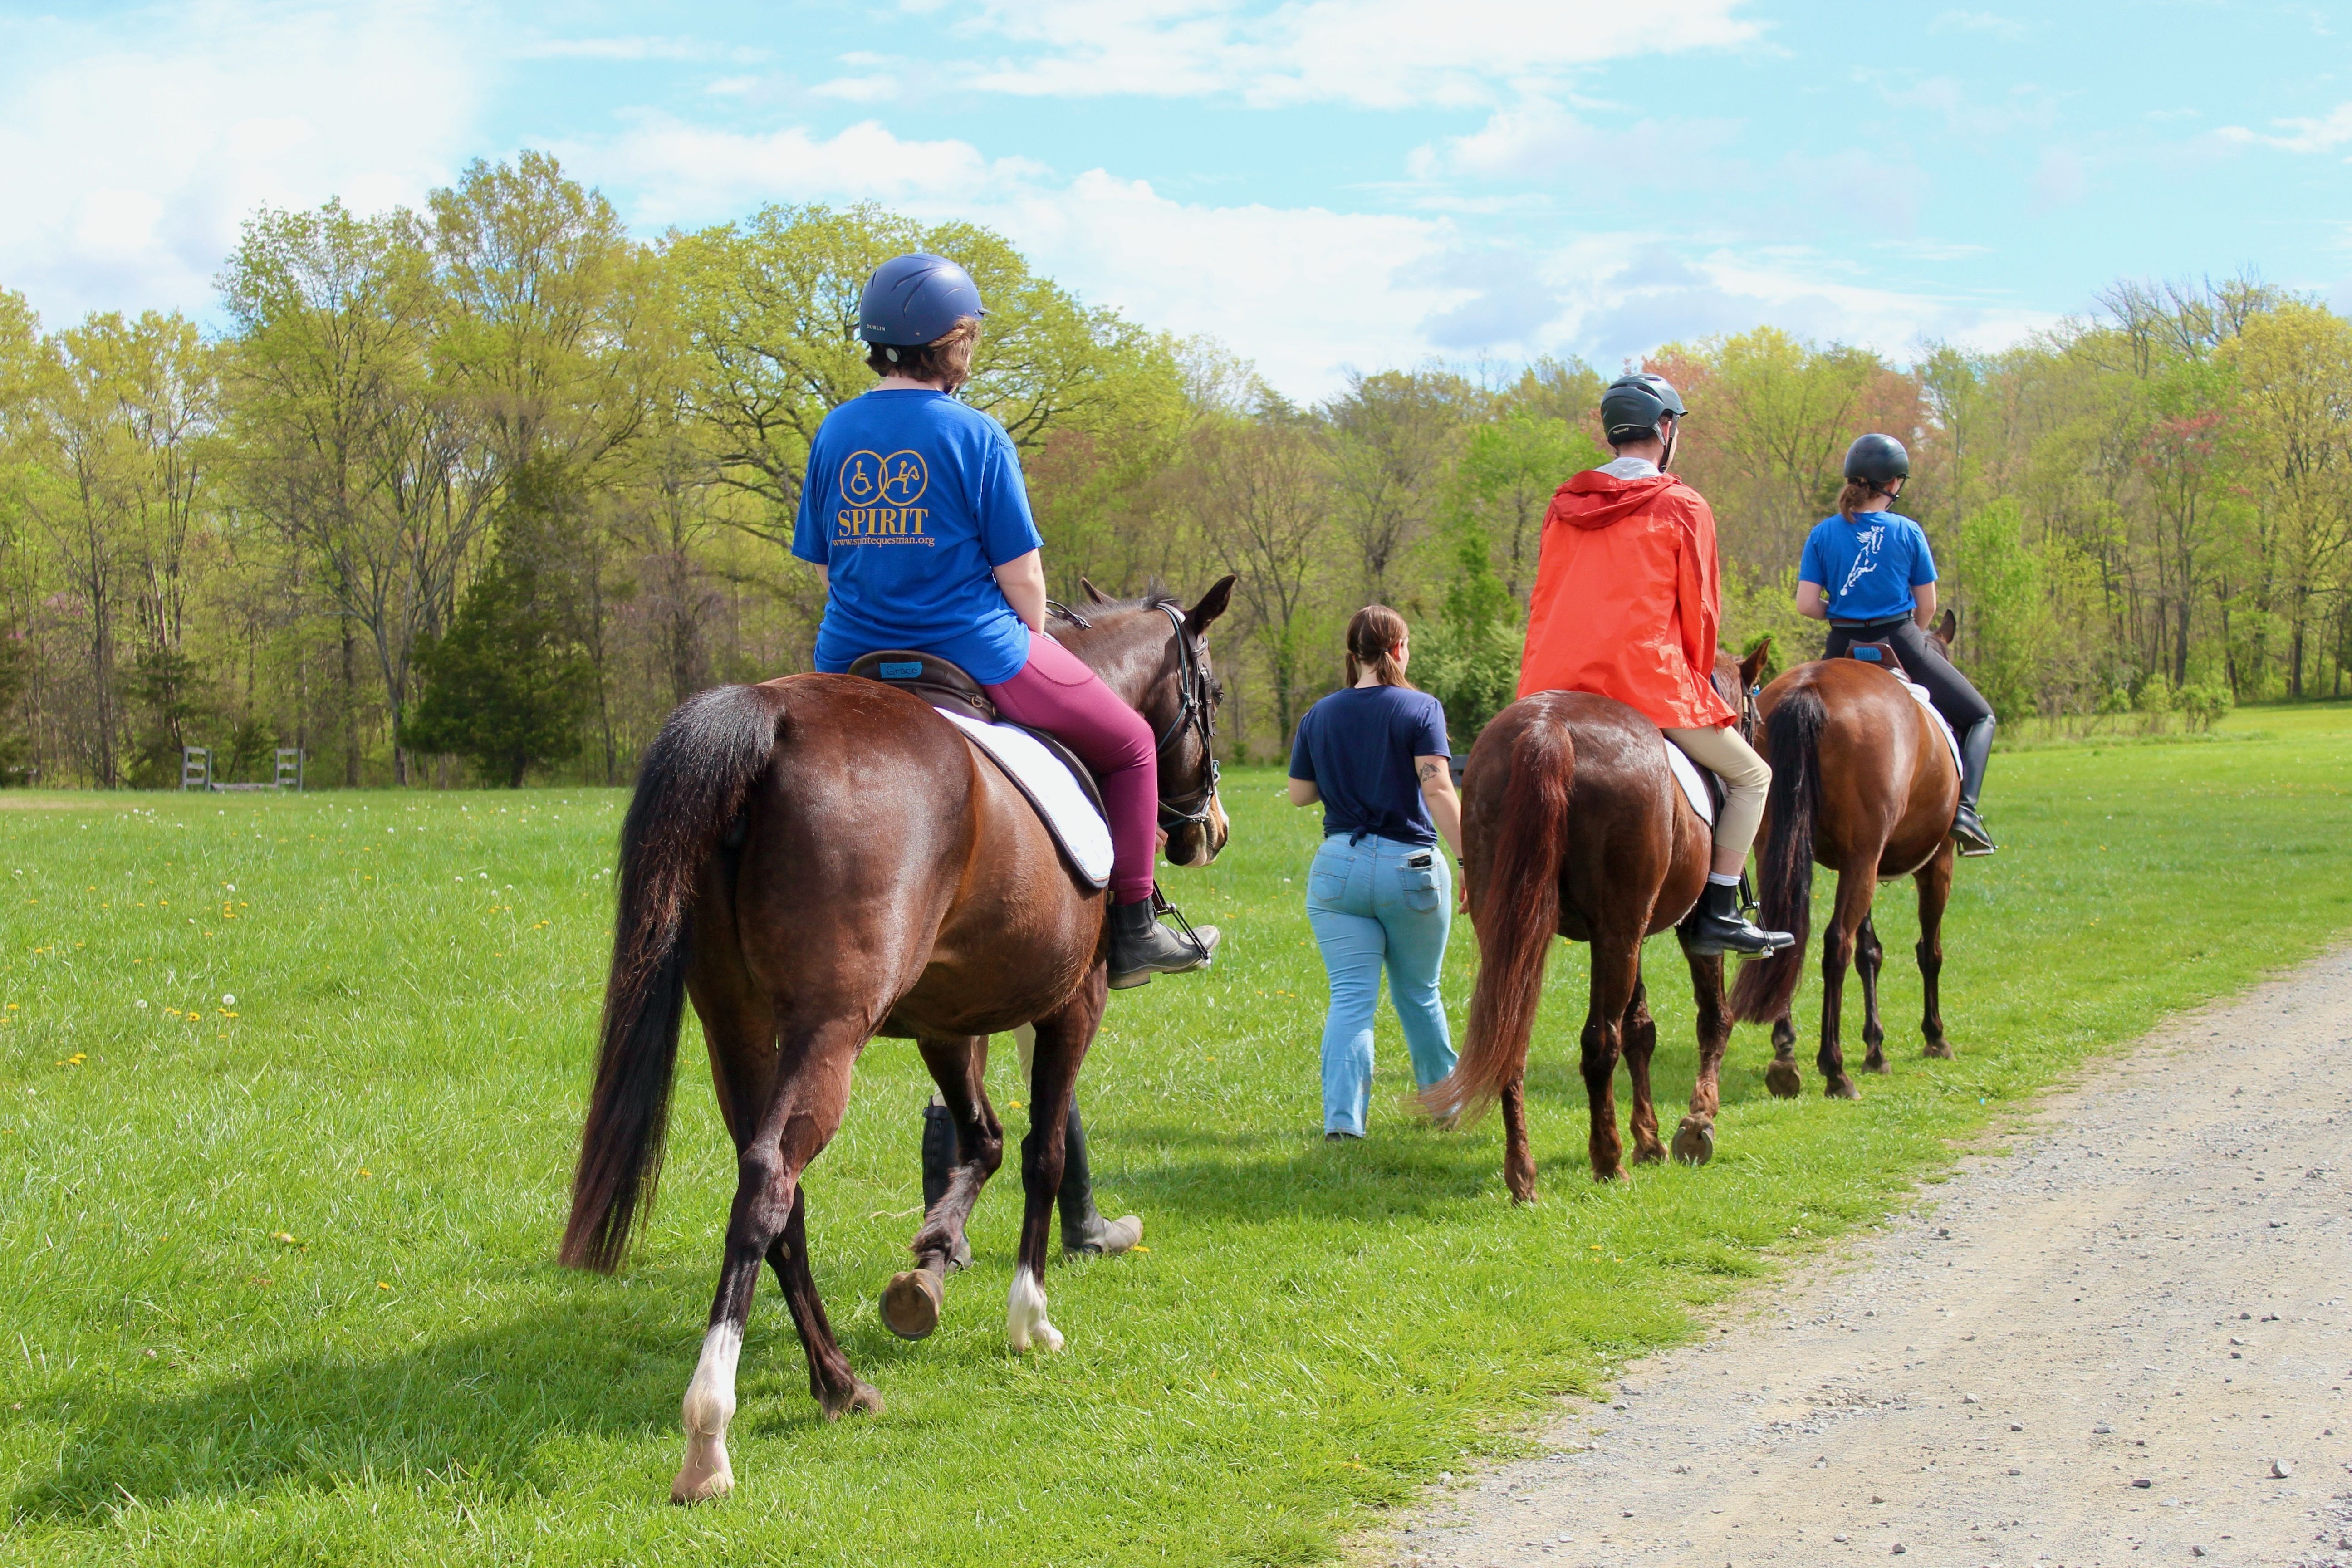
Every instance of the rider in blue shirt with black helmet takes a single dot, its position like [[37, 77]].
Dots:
[[1870, 574]]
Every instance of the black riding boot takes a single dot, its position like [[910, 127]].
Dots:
[[1083, 1230], [1140, 947], [1976, 750], [1717, 926], [941, 1150]]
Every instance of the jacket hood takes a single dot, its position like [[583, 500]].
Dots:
[[1595, 500]]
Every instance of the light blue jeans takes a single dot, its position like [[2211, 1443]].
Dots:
[[1379, 901]]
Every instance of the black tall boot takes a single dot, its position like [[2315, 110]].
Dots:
[[1716, 925], [1083, 1230], [1976, 750], [1140, 947], [940, 1152]]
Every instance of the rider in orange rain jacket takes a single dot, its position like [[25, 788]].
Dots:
[[1627, 604]]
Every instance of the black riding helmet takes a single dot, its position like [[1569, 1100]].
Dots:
[[1877, 460], [1633, 405]]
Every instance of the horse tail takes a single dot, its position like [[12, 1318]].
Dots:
[[1792, 744], [1518, 909], [690, 792]]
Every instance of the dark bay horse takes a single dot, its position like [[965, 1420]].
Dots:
[[1863, 783], [1573, 824], [820, 860]]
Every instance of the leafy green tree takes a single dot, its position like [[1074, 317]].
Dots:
[[505, 689], [2005, 615]]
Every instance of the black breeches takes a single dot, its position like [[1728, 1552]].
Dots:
[[1947, 689]]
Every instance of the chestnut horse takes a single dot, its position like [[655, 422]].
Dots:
[[820, 860], [1572, 824], [1863, 783]]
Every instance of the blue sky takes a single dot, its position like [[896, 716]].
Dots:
[[1320, 183]]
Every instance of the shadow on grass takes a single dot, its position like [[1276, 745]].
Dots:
[[475, 1405]]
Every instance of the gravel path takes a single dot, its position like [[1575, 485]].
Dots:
[[2125, 1342]]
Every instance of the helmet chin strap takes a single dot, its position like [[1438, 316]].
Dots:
[[1668, 455]]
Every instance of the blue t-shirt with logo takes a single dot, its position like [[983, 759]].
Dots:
[[1357, 747], [1868, 564], [910, 502]]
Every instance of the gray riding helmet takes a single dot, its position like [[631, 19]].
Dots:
[[1633, 405], [1877, 459]]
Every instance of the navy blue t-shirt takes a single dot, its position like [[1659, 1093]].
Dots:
[[1867, 566], [1357, 747], [910, 502]]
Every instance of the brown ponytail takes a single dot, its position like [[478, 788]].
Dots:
[[1856, 497], [1374, 633]]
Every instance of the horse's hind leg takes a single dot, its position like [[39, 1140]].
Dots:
[[1869, 958], [1638, 1035], [1853, 892], [1935, 881], [1062, 1040], [911, 1301], [1616, 969], [1518, 1162], [1694, 1139], [835, 1386], [810, 1090], [1782, 1077]]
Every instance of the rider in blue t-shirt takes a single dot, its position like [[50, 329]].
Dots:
[[1868, 572]]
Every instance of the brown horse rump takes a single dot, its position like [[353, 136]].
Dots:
[[950, 688]]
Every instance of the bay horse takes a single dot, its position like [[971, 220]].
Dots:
[[1573, 824], [822, 858], [1863, 783]]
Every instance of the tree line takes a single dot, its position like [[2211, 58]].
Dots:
[[477, 492]]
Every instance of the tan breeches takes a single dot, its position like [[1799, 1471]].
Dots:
[[1745, 777]]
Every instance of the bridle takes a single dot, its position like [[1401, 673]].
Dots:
[[1196, 713]]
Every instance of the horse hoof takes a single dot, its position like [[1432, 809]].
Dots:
[[701, 1480], [1941, 1050], [862, 1396], [1873, 1064], [910, 1304], [1024, 1316], [1783, 1080], [1694, 1142], [1841, 1089], [1649, 1155]]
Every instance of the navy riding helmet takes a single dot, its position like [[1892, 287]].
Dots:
[[1631, 407], [915, 299]]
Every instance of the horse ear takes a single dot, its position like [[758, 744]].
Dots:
[[1212, 605], [1948, 628], [1753, 664], [1093, 594]]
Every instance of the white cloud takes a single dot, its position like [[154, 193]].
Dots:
[[1304, 291], [1537, 139], [686, 173], [627, 48], [2001, 27], [2323, 134], [1383, 54], [858, 88], [129, 157]]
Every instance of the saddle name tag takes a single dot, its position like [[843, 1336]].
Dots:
[[1863, 651], [901, 669]]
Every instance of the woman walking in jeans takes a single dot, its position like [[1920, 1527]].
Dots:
[[1380, 892]]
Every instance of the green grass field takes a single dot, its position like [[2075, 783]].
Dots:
[[276, 1274]]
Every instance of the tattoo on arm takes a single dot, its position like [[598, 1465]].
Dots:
[[1430, 770]]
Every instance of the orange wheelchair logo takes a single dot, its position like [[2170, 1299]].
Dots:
[[879, 496]]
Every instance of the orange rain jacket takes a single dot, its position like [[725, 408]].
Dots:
[[1627, 599]]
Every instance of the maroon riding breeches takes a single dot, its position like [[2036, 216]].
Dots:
[[1055, 692]]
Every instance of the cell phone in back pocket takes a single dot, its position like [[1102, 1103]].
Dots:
[[1421, 862]]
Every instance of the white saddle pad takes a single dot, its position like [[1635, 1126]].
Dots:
[[1694, 783], [1051, 788], [1920, 695]]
